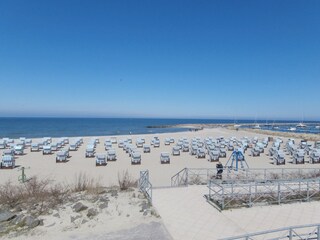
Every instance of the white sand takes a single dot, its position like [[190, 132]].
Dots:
[[160, 174]]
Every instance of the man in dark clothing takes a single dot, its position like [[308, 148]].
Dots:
[[219, 167]]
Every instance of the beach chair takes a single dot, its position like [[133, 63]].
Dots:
[[61, 156], [193, 150], [176, 151], [73, 146], [314, 156], [146, 148], [107, 146], [113, 140], [272, 151], [164, 157], [7, 161], [316, 144], [101, 160], [201, 153], [214, 155], [255, 152], [132, 149], [139, 143], [136, 158], [223, 152], [66, 150], [278, 158], [89, 151], [179, 144], [120, 144], [47, 140], [156, 143], [18, 150], [65, 140], [230, 147], [111, 155], [46, 150], [9, 151], [185, 147], [54, 147], [167, 142], [298, 156], [3, 144], [35, 147], [260, 146]]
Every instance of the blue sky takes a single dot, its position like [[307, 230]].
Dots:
[[189, 59]]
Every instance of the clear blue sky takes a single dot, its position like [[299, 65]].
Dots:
[[189, 59]]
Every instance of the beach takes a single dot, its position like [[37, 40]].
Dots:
[[45, 167]]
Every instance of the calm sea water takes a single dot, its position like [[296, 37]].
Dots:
[[70, 127]]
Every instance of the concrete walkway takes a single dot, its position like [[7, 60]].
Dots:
[[187, 215]]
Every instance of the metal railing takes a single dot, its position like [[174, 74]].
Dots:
[[243, 193], [144, 185], [311, 231], [189, 176]]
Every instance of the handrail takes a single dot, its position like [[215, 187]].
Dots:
[[144, 184], [184, 176], [290, 235]]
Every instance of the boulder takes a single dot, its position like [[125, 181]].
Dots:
[[141, 196], [74, 218], [78, 207], [144, 206], [103, 205], [57, 215], [84, 221], [19, 220], [6, 215], [102, 191], [31, 222], [114, 192], [104, 199], [92, 212]]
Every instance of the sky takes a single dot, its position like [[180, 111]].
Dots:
[[165, 58]]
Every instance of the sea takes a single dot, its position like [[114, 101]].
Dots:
[[72, 127]]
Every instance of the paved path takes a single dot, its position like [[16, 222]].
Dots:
[[153, 230], [187, 215]]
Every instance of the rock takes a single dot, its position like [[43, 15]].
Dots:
[[92, 212], [31, 222], [84, 221], [102, 191], [19, 220], [6, 215], [74, 218], [128, 215], [145, 213], [134, 195], [141, 196], [78, 207], [41, 223], [57, 215], [114, 193], [104, 199], [154, 213], [18, 209], [144, 206], [103, 205]]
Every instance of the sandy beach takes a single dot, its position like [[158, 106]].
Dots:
[[45, 167]]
